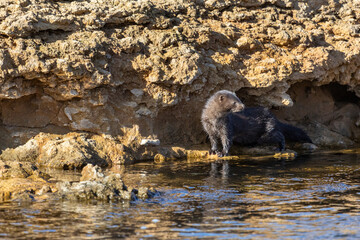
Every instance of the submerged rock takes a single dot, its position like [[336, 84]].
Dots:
[[25, 188], [91, 173], [22, 180], [95, 185]]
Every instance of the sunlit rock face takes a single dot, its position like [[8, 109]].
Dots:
[[106, 66]]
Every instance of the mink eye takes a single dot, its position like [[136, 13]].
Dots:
[[234, 103]]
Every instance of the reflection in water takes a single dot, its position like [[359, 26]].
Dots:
[[310, 197]]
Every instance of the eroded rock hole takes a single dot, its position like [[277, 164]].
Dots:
[[331, 106], [341, 94]]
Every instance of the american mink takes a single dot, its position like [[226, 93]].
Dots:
[[225, 118]]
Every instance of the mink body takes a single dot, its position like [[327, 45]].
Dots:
[[226, 120]]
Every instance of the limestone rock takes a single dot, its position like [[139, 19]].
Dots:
[[102, 66], [71, 151], [91, 173], [93, 185], [103, 187], [333, 124], [22, 181]]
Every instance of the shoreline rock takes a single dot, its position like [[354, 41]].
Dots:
[[95, 185], [123, 81], [105, 68], [26, 179]]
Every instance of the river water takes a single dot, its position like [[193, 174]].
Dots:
[[311, 197]]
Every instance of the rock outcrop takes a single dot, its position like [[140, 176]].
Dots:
[[95, 185], [28, 183], [99, 83], [105, 66], [72, 151]]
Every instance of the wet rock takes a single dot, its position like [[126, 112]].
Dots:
[[23, 188], [4, 169], [144, 192], [94, 184], [15, 169], [45, 189], [21, 180], [98, 186], [91, 173], [259, 151], [309, 146]]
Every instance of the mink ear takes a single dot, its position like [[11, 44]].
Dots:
[[221, 98]]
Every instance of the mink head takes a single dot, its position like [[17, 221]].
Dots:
[[228, 101]]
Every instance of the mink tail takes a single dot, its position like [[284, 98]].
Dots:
[[292, 133]]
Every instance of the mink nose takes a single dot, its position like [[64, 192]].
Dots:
[[239, 107]]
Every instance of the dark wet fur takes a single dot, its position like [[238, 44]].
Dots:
[[257, 125], [248, 127], [214, 119]]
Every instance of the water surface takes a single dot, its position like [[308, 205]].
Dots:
[[311, 197]]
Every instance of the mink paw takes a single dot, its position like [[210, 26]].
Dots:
[[222, 154], [213, 152]]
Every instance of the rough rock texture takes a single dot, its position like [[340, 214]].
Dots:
[[24, 182], [76, 150], [95, 185], [334, 122], [104, 66], [70, 151]]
